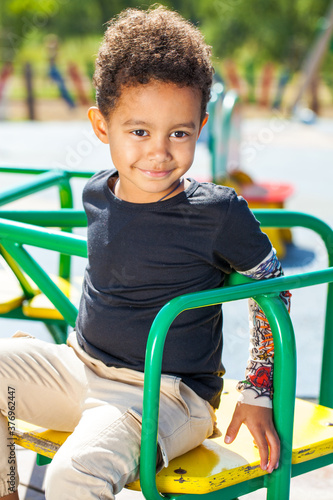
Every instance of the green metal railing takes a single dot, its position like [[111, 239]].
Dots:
[[42, 181], [84, 174], [264, 293], [45, 178], [66, 218], [12, 237]]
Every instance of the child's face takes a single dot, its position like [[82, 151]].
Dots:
[[152, 133]]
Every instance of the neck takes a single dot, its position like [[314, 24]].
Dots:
[[116, 188], [172, 190]]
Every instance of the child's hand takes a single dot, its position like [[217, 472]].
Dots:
[[260, 423]]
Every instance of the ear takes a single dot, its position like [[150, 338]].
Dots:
[[99, 124], [204, 121]]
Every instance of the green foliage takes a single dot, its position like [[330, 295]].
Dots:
[[280, 30], [256, 31]]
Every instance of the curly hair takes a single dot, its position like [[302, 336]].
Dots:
[[141, 45]]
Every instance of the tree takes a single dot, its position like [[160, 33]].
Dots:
[[279, 31], [275, 30]]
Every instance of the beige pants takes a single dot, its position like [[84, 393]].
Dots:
[[61, 387]]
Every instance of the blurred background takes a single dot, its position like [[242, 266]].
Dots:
[[260, 47], [270, 135]]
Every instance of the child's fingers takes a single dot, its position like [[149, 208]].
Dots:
[[269, 449], [262, 445], [274, 446], [260, 424], [268, 444], [233, 428]]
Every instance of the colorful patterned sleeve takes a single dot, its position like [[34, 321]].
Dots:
[[257, 388]]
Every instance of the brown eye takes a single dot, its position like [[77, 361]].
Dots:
[[140, 133], [179, 134]]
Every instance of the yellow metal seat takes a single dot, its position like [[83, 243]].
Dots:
[[40, 307], [214, 465], [11, 294]]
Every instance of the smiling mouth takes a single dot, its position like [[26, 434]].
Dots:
[[157, 174]]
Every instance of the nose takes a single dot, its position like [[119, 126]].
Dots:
[[159, 150]]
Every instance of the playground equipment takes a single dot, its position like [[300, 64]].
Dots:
[[212, 468], [76, 77], [21, 298], [311, 65], [265, 86], [57, 75], [30, 98], [224, 145], [5, 75]]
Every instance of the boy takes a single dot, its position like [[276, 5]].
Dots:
[[153, 234]]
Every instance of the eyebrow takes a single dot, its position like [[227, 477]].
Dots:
[[185, 125], [135, 122], [190, 125]]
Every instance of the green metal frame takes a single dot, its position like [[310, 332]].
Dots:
[[83, 174], [13, 235], [45, 178], [284, 372]]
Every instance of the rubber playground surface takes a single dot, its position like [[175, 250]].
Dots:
[[273, 149]]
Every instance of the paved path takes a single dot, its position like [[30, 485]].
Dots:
[[271, 150]]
